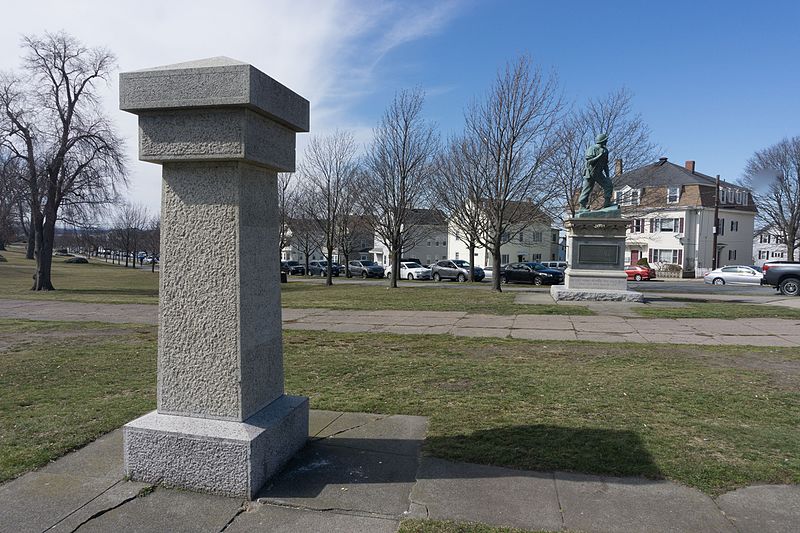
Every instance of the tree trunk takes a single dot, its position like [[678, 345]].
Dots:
[[395, 267], [496, 266], [471, 247], [30, 251], [329, 277], [44, 255]]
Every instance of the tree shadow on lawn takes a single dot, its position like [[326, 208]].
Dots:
[[549, 448], [326, 465]]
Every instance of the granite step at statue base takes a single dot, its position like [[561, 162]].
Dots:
[[217, 456], [561, 293]]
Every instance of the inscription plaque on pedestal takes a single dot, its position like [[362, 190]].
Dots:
[[598, 254]]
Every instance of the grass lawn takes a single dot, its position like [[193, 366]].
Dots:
[[725, 310], [65, 384], [427, 297], [97, 281], [710, 417]]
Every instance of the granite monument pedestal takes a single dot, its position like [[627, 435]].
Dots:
[[596, 244], [221, 130]]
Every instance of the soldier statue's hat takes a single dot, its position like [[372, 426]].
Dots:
[[601, 138]]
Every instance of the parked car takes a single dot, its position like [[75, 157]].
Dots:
[[535, 273], [410, 270], [365, 269], [488, 272], [735, 275], [320, 268], [456, 269], [784, 276], [558, 265], [293, 268], [639, 273]]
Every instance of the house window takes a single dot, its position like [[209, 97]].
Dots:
[[537, 257], [521, 238], [721, 226], [456, 255], [429, 243], [734, 225], [731, 255], [667, 224], [504, 259], [521, 258], [627, 196], [537, 236], [777, 255], [673, 195], [638, 225], [665, 256]]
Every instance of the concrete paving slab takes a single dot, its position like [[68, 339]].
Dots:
[[608, 504], [609, 337], [399, 434], [544, 334], [346, 421], [620, 326], [763, 508], [486, 321], [675, 338], [403, 330], [310, 326], [491, 495], [318, 420], [175, 511], [350, 328], [481, 332], [543, 322], [99, 459], [119, 494], [343, 478], [38, 500], [277, 519]]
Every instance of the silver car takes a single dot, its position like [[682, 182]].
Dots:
[[410, 271], [734, 275]]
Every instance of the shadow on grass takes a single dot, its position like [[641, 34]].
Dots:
[[112, 291], [545, 447], [325, 465]]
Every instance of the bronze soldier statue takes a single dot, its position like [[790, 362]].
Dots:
[[596, 172]]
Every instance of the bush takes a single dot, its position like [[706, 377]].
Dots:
[[3, 259], [671, 267], [643, 262], [77, 260]]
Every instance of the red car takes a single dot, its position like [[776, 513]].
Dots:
[[639, 273]]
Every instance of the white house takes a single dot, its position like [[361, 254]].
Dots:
[[768, 245], [537, 241], [672, 208], [428, 244]]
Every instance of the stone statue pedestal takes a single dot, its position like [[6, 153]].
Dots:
[[596, 246], [221, 130]]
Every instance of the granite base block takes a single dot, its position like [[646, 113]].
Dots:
[[217, 456], [561, 293]]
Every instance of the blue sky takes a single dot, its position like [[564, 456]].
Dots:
[[714, 80]]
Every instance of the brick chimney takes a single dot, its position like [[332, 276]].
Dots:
[[690, 166], [618, 169]]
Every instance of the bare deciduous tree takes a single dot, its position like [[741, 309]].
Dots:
[[512, 137], [398, 173], [459, 194], [10, 198], [287, 205], [129, 227], [629, 141], [773, 176], [52, 121], [328, 173]]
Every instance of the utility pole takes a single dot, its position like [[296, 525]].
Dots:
[[716, 226]]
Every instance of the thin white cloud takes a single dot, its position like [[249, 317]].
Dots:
[[326, 51]]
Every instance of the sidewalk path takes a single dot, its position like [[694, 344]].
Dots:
[[600, 328], [362, 472]]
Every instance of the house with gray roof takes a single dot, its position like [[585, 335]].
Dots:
[[672, 208]]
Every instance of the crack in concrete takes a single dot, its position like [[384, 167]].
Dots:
[[558, 499], [326, 426], [239, 511], [318, 439], [334, 510], [140, 494], [85, 504]]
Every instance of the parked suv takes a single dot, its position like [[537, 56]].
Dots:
[[784, 276], [293, 268], [558, 265], [320, 268], [365, 269], [456, 269]]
